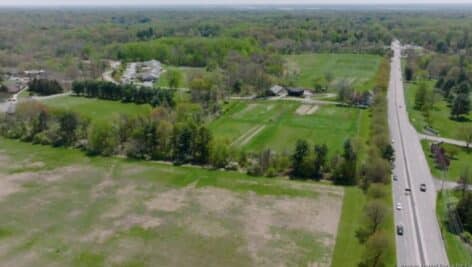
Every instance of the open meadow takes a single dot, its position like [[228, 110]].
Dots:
[[439, 115], [359, 69], [97, 108], [92, 211], [277, 125]]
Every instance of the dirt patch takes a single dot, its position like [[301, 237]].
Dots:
[[247, 136], [126, 196], [143, 221], [261, 214], [312, 110], [216, 200], [306, 109], [207, 228], [13, 183], [170, 200]]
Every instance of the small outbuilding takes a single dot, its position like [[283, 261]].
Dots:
[[277, 90], [296, 92]]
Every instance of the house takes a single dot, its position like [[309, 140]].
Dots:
[[277, 90], [35, 74], [296, 92]]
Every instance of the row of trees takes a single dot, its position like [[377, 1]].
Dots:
[[195, 52], [44, 87], [159, 136], [124, 93], [172, 135], [374, 177]]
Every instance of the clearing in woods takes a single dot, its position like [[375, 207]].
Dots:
[[82, 211], [359, 69]]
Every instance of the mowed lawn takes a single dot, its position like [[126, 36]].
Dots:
[[257, 125], [457, 251], [440, 119], [461, 161], [61, 208], [357, 68], [96, 108]]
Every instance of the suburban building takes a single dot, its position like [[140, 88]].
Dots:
[[277, 90]]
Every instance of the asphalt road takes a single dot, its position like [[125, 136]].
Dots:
[[421, 242], [443, 139]]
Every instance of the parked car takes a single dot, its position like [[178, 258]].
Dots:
[[395, 178], [400, 229], [423, 187]]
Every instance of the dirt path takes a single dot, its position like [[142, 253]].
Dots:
[[247, 136]]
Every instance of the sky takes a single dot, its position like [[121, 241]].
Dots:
[[215, 2]]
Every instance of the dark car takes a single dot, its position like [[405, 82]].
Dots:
[[423, 187], [400, 229], [407, 191]]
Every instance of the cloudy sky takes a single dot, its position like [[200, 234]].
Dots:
[[218, 2]]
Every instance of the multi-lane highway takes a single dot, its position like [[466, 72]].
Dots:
[[421, 242]]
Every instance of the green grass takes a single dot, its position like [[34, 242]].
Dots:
[[187, 74], [79, 211], [457, 252], [440, 119], [96, 108], [348, 250], [331, 125], [360, 68], [462, 160]]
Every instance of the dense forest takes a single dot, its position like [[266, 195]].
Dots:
[[73, 42]]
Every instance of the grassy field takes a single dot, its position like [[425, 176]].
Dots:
[[348, 250], [187, 73], [440, 120], [60, 208], [359, 69], [456, 250], [97, 108], [276, 125], [461, 161]]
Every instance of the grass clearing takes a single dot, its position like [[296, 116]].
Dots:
[[457, 252], [187, 74], [440, 120], [462, 160], [80, 211], [348, 250], [283, 126], [97, 108], [359, 68]]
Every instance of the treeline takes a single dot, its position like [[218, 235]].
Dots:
[[126, 93], [44, 87], [158, 136], [186, 51], [453, 81], [374, 178], [178, 135]]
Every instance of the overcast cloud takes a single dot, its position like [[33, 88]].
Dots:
[[216, 2]]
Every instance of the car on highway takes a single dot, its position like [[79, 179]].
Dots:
[[394, 177], [423, 187], [407, 191], [399, 206], [400, 229]]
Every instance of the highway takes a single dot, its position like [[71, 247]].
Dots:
[[421, 242]]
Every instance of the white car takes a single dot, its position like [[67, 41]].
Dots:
[[399, 206]]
